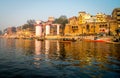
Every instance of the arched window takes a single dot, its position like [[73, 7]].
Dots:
[[87, 27]]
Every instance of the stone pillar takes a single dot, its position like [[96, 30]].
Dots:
[[58, 28], [38, 29], [47, 29]]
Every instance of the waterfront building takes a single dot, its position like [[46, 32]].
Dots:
[[47, 29], [51, 29], [24, 33], [48, 26], [86, 24], [84, 17], [72, 28], [116, 15], [51, 19], [100, 17]]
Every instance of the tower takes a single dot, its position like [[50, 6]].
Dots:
[[38, 29], [48, 29]]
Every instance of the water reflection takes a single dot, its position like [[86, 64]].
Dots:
[[47, 49], [38, 53], [38, 45], [88, 58], [92, 56], [58, 49], [62, 53]]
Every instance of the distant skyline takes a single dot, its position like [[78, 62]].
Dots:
[[17, 12]]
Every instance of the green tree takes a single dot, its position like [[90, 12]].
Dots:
[[30, 24], [61, 20]]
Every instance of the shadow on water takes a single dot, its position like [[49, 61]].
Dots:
[[50, 58]]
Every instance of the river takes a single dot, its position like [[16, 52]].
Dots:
[[21, 58]]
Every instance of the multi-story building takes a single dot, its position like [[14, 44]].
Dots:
[[72, 27], [89, 24], [116, 15], [100, 17], [51, 19], [84, 17]]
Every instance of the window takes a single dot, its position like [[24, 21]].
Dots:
[[74, 27], [87, 27]]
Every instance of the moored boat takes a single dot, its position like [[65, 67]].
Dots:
[[67, 40], [40, 39], [61, 41], [96, 39], [112, 42]]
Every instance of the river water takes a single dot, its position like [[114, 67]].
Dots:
[[51, 59]]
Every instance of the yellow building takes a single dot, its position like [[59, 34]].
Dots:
[[88, 24], [100, 17], [72, 28], [116, 15]]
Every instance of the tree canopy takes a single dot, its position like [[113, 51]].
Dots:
[[61, 20], [30, 24]]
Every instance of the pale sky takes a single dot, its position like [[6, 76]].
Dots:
[[17, 12]]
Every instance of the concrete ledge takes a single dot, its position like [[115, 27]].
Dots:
[[52, 37]]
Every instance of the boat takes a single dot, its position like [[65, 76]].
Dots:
[[94, 39], [98, 40], [67, 40], [112, 42], [40, 39], [16, 38], [61, 41]]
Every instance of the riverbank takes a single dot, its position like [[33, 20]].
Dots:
[[58, 37]]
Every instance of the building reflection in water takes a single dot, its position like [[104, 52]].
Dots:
[[62, 53], [37, 58], [92, 54], [38, 47], [58, 48], [86, 55], [47, 49], [86, 52]]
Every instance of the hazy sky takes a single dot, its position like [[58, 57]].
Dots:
[[17, 12]]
